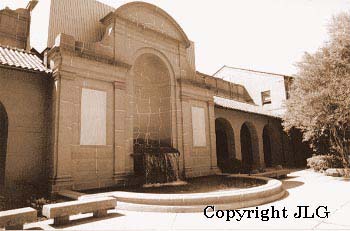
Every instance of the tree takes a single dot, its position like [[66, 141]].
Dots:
[[320, 95]]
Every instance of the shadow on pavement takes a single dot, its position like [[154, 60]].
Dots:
[[291, 184], [282, 198], [290, 177], [87, 220]]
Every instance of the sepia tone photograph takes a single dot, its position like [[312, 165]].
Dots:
[[174, 115]]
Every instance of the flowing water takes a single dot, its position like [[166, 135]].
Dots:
[[161, 168]]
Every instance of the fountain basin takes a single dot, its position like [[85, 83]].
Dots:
[[271, 191]]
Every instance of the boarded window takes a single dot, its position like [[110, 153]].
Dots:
[[198, 126], [93, 117]]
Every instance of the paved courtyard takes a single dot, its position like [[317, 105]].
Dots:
[[305, 188]]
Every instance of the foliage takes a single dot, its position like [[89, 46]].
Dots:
[[320, 104], [38, 204], [324, 162]]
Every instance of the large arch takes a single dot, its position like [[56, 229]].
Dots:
[[249, 147], [225, 143], [152, 101], [3, 143], [272, 146]]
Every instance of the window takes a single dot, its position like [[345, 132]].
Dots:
[[93, 117], [266, 97], [198, 127]]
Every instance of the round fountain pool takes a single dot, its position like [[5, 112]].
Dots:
[[217, 183], [221, 191]]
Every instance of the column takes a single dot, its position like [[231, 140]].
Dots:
[[237, 132], [187, 135], [212, 135], [261, 147]]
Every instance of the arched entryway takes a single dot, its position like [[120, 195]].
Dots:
[[249, 147], [267, 146], [3, 143], [225, 143], [152, 124], [152, 101]]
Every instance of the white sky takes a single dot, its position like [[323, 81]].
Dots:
[[266, 35]]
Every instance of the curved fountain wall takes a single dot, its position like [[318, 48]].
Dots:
[[185, 203]]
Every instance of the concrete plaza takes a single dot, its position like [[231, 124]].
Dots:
[[304, 188]]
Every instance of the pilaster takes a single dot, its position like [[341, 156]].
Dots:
[[62, 131], [120, 135]]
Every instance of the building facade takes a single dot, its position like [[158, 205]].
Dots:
[[126, 80], [268, 90]]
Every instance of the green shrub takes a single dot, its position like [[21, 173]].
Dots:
[[324, 162]]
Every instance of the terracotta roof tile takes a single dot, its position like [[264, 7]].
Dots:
[[18, 58]]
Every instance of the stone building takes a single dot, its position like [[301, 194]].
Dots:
[[120, 79]]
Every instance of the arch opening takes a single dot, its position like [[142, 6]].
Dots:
[[3, 143], [152, 128], [267, 147], [225, 144], [249, 147], [152, 107]]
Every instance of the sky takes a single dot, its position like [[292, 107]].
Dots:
[[265, 35]]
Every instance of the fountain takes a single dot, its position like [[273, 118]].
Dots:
[[163, 190], [159, 165]]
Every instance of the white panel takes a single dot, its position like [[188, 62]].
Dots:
[[198, 126], [93, 117]]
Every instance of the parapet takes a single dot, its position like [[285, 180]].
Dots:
[[93, 51]]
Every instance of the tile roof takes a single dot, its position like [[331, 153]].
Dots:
[[18, 58], [238, 70], [231, 104]]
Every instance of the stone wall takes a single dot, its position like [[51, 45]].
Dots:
[[152, 97], [14, 27], [79, 163], [26, 99]]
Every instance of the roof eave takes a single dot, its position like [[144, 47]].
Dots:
[[49, 73]]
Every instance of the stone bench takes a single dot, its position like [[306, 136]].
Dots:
[[15, 219], [60, 212]]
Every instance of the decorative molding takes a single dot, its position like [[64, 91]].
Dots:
[[186, 96], [67, 75], [84, 53], [146, 28], [193, 82], [120, 85], [211, 103], [61, 179]]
